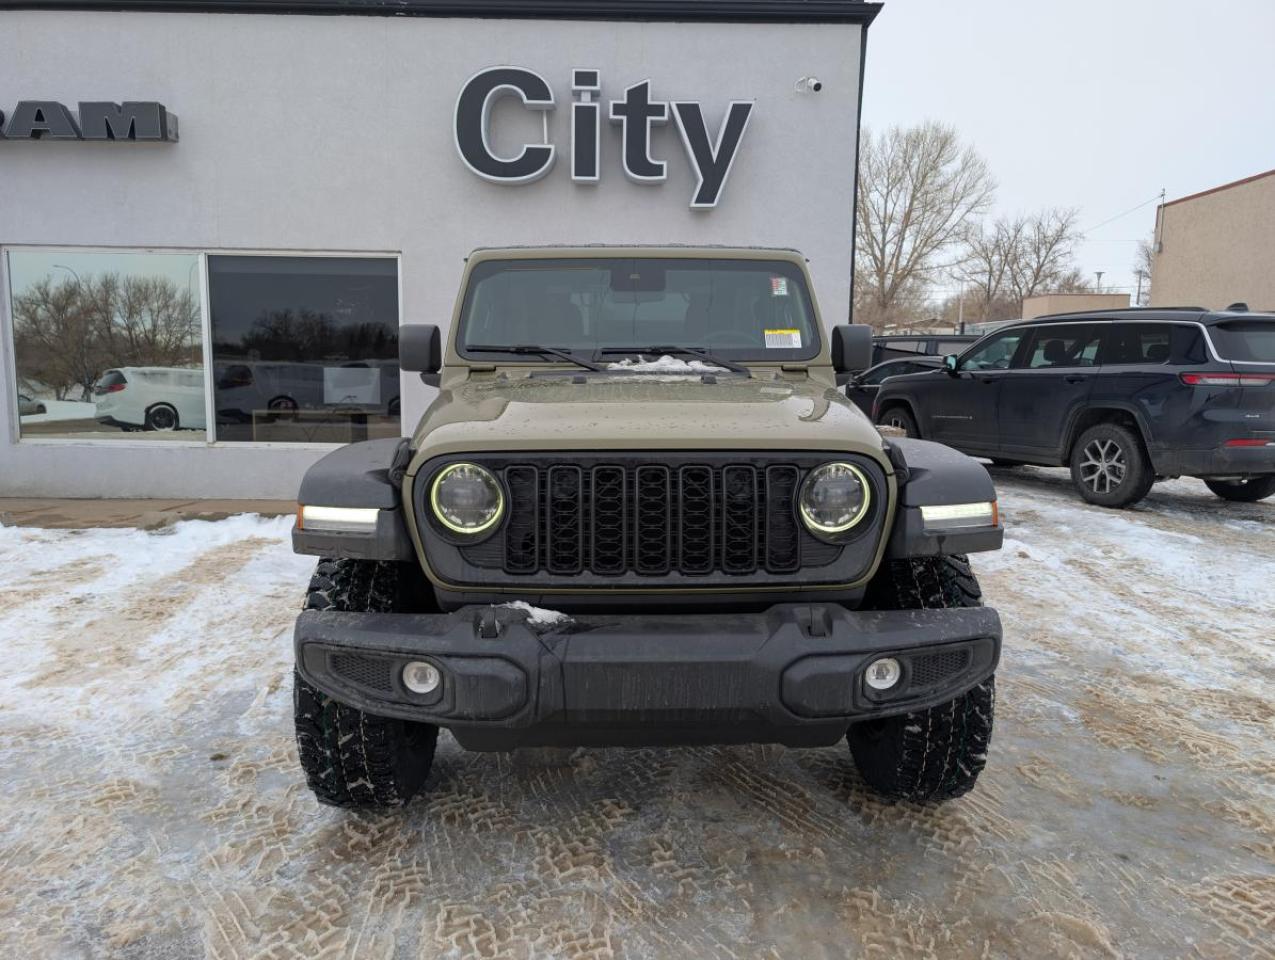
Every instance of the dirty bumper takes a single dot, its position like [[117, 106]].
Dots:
[[791, 674]]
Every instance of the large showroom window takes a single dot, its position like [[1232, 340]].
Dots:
[[107, 344], [305, 349]]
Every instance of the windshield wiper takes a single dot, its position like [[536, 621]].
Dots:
[[535, 350], [701, 352]]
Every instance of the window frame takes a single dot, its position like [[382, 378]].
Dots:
[[7, 345]]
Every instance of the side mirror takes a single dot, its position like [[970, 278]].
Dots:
[[420, 350], [949, 363], [851, 347]]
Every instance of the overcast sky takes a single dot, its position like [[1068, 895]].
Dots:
[[1094, 105]]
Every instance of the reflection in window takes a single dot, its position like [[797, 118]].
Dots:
[[107, 344], [305, 349]]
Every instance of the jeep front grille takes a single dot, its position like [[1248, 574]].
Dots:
[[676, 518]]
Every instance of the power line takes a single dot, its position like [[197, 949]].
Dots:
[[1159, 196]]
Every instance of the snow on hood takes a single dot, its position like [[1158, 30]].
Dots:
[[666, 364]]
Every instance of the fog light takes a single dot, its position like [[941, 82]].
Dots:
[[422, 677], [883, 674]]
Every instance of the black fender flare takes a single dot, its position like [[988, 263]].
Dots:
[[931, 474], [361, 475]]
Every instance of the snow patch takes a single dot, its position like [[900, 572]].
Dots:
[[665, 364], [538, 616]]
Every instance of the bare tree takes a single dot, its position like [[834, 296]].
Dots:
[[53, 338], [142, 320], [918, 190], [1016, 258], [1142, 265], [988, 266], [68, 334], [1045, 254]]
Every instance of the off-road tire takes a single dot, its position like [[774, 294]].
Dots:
[[902, 418], [1243, 491], [936, 754], [351, 758], [1119, 441]]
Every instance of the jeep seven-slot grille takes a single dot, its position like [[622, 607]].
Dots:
[[655, 519]]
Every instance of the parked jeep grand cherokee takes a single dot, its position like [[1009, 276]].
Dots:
[[1124, 398], [651, 444]]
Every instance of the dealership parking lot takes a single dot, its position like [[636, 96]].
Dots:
[[152, 806]]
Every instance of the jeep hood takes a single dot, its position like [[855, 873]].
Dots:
[[642, 412]]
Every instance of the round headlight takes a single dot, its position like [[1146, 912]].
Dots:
[[466, 498], [834, 497]]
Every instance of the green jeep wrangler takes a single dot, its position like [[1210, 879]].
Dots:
[[641, 510]]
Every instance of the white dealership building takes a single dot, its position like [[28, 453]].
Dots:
[[214, 215]]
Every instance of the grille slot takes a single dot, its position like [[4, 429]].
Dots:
[[783, 552], [933, 668], [695, 516], [564, 524], [370, 672], [522, 532], [610, 520], [739, 519], [652, 548]]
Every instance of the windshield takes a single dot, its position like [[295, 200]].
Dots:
[[737, 309], [1251, 340]]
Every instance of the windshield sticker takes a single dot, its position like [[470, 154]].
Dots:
[[779, 286], [783, 339]]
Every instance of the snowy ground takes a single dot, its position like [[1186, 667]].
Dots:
[[150, 804], [62, 410]]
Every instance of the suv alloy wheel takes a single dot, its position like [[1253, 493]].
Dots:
[[1109, 466]]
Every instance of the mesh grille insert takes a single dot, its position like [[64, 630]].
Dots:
[[933, 668], [370, 672]]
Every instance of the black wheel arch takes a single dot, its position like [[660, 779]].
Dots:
[[1125, 414], [890, 403]]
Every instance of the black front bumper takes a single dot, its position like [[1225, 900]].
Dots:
[[792, 674]]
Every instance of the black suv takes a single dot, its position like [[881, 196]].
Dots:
[[1124, 398]]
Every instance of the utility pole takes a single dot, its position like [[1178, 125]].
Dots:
[[960, 309]]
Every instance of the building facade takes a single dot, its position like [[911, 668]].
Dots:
[[1216, 248], [1047, 303], [213, 221]]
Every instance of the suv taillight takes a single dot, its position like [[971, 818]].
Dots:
[[1227, 379]]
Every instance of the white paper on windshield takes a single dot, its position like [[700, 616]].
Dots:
[[783, 339]]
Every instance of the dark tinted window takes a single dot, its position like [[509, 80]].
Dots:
[[905, 346], [304, 348], [893, 370], [1137, 343], [1252, 340], [1188, 344], [1064, 346], [112, 378]]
